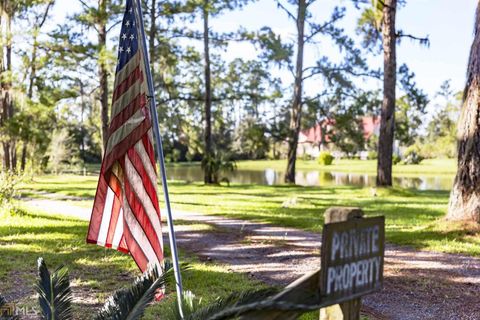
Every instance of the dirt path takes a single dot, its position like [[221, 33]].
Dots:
[[418, 284]]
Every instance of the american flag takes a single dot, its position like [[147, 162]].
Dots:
[[126, 214]]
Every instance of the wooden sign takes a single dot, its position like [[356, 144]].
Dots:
[[352, 259]]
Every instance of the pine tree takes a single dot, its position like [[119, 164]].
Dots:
[[465, 195]]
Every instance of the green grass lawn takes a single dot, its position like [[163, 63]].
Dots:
[[413, 217], [95, 272]]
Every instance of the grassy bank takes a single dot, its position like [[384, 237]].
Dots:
[[412, 217], [426, 167]]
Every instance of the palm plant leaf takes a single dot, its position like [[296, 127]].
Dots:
[[130, 303], [54, 293], [234, 300]]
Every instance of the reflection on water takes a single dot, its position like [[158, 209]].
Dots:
[[313, 178]]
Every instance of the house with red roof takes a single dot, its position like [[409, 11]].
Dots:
[[318, 138]]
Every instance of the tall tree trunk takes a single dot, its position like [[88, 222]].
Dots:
[[9, 100], [102, 68], [23, 159], [6, 83], [82, 111], [152, 34], [296, 111], [387, 121], [465, 195], [13, 156], [208, 174]]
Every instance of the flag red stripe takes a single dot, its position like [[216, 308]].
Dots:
[[135, 250], [98, 206], [123, 244], [137, 103], [149, 148], [143, 220], [149, 187], [136, 74]]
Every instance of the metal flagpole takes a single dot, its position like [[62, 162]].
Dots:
[[161, 161]]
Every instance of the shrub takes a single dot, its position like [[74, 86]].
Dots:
[[306, 157], [412, 155], [325, 158], [396, 159], [219, 163], [8, 187], [372, 155]]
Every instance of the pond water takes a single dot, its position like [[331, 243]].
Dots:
[[314, 178]]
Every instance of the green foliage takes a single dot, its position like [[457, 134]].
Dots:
[[190, 304], [325, 158], [223, 305], [440, 140], [396, 159], [372, 155], [274, 50], [369, 25], [131, 302], [250, 141], [8, 187], [62, 153], [410, 108], [54, 293], [412, 155], [219, 163]]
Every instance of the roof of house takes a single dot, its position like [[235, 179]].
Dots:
[[314, 134]]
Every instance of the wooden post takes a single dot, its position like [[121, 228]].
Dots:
[[349, 310]]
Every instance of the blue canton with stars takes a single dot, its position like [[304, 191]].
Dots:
[[128, 45]]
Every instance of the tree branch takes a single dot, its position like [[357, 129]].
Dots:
[[387, 6], [114, 25], [45, 15], [423, 41], [317, 29], [85, 5], [281, 6], [317, 71]]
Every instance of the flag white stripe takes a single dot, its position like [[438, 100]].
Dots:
[[138, 234], [147, 164], [139, 190], [117, 236], [107, 214]]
